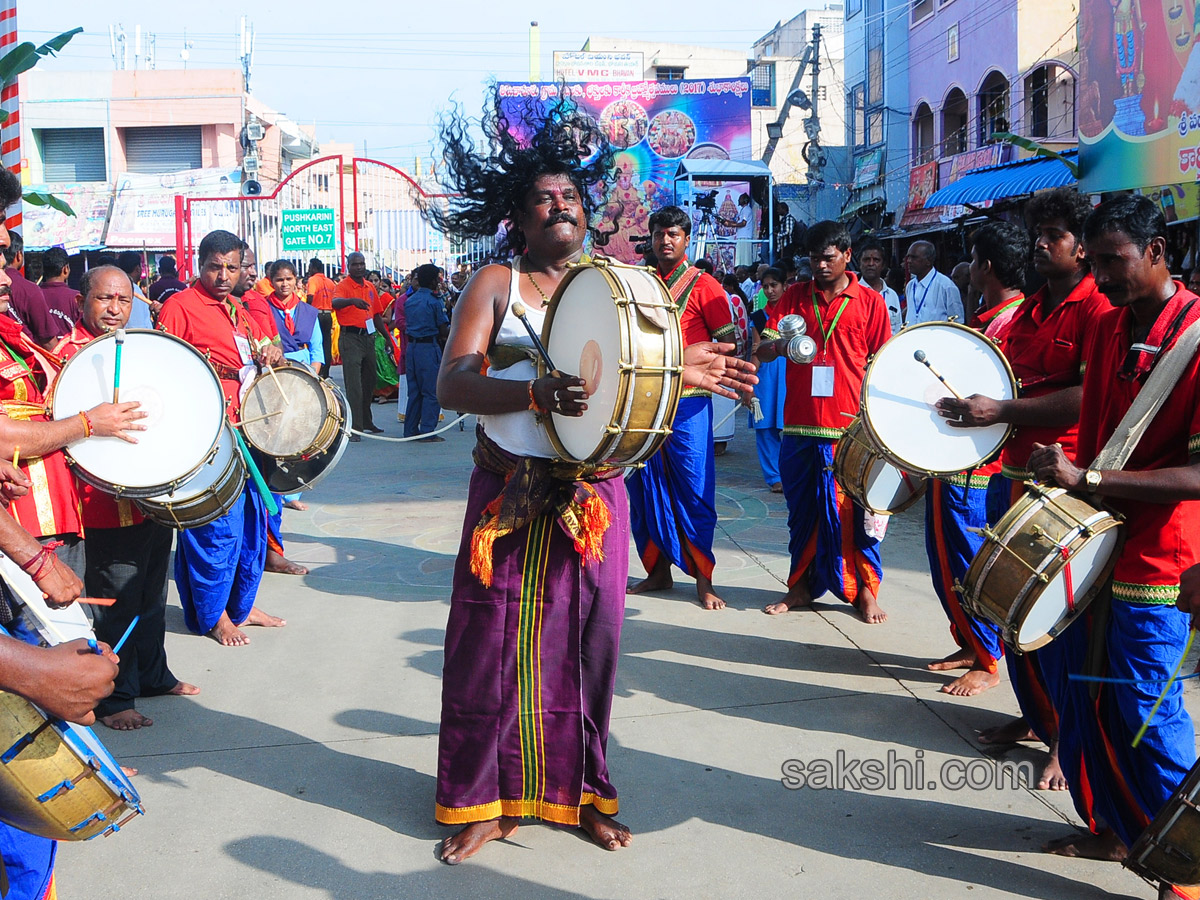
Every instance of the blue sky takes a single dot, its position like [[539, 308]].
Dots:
[[380, 72]]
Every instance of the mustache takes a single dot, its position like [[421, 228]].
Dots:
[[5, 291], [559, 218]]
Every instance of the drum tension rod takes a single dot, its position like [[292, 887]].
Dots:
[[613, 429], [995, 538], [22, 742], [630, 367]]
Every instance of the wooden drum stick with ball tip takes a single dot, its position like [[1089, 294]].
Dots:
[[920, 357]]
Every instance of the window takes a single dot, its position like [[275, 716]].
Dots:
[[875, 127], [1050, 102], [922, 140], [952, 43], [955, 114], [858, 115], [72, 154], [921, 9], [762, 85], [993, 107], [669, 73], [156, 151], [874, 46], [853, 8]]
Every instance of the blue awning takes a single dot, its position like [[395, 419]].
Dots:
[[1008, 180]]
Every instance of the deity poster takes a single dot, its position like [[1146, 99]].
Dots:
[[652, 125], [1138, 93]]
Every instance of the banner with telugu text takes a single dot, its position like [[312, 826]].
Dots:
[[1138, 94]]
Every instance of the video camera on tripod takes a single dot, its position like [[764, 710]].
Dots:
[[706, 201]]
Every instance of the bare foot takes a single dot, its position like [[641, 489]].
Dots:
[[1176, 892], [183, 689], [705, 594], [1013, 731], [128, 771], [227, 634], [1052, 778], [258, 617], [974, 682], [127, 720], [659, 579], [1105, 846], [468, 842], [277, 563], [296, 504], [868, 609], [777, 488], [606, 831], [959, 659], [796, 597]]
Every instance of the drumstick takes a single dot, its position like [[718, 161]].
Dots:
[[125, 636], [518, 309], [278, 386], [97, 601], [920, 357], [120, 338], [16, 456]]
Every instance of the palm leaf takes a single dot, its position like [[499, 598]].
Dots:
[[1037, 149], [40, 198], [25, 56]]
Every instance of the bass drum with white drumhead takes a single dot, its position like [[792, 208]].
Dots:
[[291, 476], [899, 396], [617, 327], [1041, 565], [870, 479], [180, 394], [208, 495]]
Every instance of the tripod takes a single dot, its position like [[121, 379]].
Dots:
[[704, 232]]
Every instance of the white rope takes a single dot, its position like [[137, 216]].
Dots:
[[415, 437]]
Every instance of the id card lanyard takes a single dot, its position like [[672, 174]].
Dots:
[[822, 375]]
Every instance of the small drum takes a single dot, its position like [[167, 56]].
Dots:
[[870, 479], [178, 390], [899, 393], [208, 495], [290, 411], [1041, 565], [1169, 849], [290, 476], [617, 326], [56, 779]]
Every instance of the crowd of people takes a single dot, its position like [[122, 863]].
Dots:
[[532, 640]]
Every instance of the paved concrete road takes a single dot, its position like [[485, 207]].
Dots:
[[305, 769]]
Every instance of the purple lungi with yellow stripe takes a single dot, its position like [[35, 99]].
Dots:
[[530, 668]]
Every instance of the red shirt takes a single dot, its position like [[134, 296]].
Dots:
[[1161, 539], [51, 506], [210, 325], [861, 330], [100, 509], [320, 291], [352, 315], [1046, 355], [260, 308], [704, 313]]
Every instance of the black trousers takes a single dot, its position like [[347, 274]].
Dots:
[[325, 320], [358, 369], [131, 564]]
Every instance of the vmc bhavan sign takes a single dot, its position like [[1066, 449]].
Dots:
[[308, 230]]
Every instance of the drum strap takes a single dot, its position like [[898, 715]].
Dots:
[[1096, 661], [1149, 401]]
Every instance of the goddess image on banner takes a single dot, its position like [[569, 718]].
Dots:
[[652, 125]]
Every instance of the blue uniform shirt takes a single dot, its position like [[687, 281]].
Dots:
[[424, 314]]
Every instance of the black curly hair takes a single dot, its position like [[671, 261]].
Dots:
[[522, 141]]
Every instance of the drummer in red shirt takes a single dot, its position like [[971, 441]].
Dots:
[[1118, 788], [218, 566], [849, 323], [127, 555]]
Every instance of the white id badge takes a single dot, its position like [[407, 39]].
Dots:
[[243, 348], [370, 326], [822, 381]]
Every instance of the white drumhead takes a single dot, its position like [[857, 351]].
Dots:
[[899, 394], [585, 340], [208, 475], [1086, 566], [888, 488], [175, 386]]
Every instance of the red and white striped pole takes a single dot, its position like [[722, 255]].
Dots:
[[10, 132]]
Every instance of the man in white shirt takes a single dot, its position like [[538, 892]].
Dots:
[[931, 296], [873, 265]]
